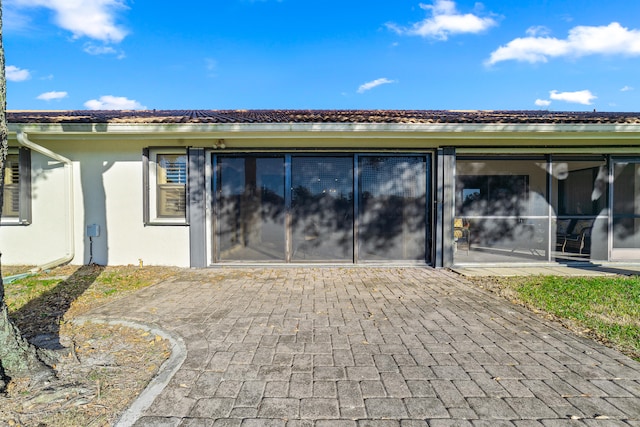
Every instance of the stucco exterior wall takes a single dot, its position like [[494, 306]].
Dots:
[[108, 191], [45, 239]]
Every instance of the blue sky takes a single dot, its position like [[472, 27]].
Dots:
[[559, 55]]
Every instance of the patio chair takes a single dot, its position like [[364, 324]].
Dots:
[[580, 238], [562, 231], [461, 234]]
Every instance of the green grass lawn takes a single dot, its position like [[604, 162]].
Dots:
[[41, 302], [606, 308]]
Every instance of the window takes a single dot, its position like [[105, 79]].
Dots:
[[171, 175], [11, 206], [491, 194], [16, 208], [579, 192], [166, 186]]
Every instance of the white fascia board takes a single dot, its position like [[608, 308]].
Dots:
[[333, 130]]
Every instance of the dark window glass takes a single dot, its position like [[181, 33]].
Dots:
[[576, 194], [252, 209], [492, 194]]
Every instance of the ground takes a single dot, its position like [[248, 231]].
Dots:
[[101, 373], [505, 287], [101, 368]]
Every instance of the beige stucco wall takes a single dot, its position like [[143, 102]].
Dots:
[[108, 191], [45, 238]]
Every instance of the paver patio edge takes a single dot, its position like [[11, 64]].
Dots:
[[166, 371]]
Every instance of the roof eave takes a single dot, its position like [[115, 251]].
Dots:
[[334, 130]]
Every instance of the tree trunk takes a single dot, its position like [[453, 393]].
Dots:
[[18, 358]]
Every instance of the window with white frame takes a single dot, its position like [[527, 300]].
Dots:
[[167, 186], [16, 207]]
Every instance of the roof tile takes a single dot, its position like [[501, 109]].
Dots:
[[318, 116]]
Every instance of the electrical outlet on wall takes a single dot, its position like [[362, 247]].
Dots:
[[93, 230]]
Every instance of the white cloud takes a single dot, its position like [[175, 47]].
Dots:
[[583, 97], [109, 102], [374, 83], [48, 96], [15, 74], [445, 20], [93, 49], [538, 31], [626, 89], [84, 18], [542, 102], [612, 39]]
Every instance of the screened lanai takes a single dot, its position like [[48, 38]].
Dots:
[[553, 208]]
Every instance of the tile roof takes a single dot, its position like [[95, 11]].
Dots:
[[319, 116]]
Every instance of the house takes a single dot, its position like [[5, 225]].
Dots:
[[206, 188]]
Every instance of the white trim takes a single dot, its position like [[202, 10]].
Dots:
[[341, 130], [533, 150]]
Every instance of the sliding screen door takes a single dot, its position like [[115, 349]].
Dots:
[[322, 208], [332, 208], [251, 200], [392, 208]]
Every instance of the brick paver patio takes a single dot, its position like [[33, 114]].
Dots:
[[375, 347]]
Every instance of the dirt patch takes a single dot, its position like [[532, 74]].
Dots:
[[101, 368]]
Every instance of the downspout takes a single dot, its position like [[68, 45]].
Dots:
[[68, 166]]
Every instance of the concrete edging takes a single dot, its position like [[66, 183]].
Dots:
[[166, 371]]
